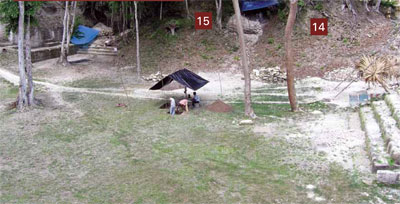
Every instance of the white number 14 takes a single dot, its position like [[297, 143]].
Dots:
[[321, 27]]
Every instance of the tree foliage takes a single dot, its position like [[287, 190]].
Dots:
[[9, 13]]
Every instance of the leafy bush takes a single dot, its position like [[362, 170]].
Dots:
[[271, 40], [301, 3], [319, 6], [389, 3], [282, 14]]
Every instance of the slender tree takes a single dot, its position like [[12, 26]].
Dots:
[[218, 5], [377, 5], [19, 18], [349, 5], [22, 99], [138, 67], [289, 54], [71, 27], [161, 11], [63, 55], [187, 9], [28, 63], [245, 63], [366, 5]]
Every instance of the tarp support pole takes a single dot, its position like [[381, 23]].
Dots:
[[185, 92]]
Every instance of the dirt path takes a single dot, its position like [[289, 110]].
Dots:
[[14, 79]]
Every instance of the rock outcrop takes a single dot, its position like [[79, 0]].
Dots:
[[103, 29], [252, 29], [272, 74]]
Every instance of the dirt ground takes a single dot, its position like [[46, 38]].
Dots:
[[80, 148]]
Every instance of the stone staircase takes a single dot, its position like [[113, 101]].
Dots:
[[98, 50], [381, 122]]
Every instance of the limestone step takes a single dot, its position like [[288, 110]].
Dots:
[[111, 49], [51, 43], [97, 53], [98, 50], [393, 101], [374, 141], [390, 131], [5, 44]]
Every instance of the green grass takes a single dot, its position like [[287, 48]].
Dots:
[[279, 110], [282, 90], [7, 90], [140, 154], [95, 83]]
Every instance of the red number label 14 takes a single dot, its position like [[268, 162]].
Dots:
[[319, 26]]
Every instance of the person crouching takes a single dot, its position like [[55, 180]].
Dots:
[[184, 104]]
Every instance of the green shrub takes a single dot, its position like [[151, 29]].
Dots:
[[389, 3], [279, 46], [271, 40], [319, 6], [301, 3], [282, 14]]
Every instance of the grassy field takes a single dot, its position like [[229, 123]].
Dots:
[[90, 151]]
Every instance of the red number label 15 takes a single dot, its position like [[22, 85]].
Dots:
[[203, 20]]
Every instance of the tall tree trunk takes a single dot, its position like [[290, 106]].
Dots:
[[22, 100], [132, 10], [123, 16], [120, 18], [366, 5], [187, 9], [138, 68], [63, 56], [349, 6], [28, 61], [71, 28], [289, 54], [377, 5], [218, 4], [161, 11], [112, 17], [248, 110]]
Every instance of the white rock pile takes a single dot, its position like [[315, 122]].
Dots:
[[252, 29], [272, 74], [154, 77], [103, 29], [341, 74]]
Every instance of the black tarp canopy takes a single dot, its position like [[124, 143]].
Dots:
[[184, 77]]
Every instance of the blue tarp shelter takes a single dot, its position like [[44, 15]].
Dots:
[[85, 35], [249, 5]]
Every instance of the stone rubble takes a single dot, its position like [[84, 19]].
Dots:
[[154, 77], [252, 29], [388, 177], [348, 74], [103, 29], [272, 74]]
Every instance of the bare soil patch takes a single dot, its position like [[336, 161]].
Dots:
[[219, 107]]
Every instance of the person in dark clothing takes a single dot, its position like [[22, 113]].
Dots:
[[196, 99]]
